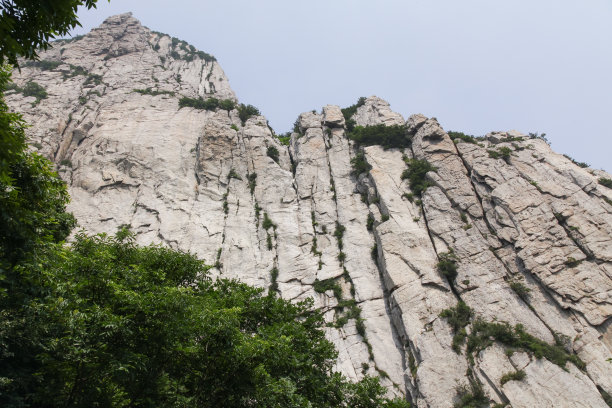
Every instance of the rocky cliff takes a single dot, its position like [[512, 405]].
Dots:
[[495, 279]]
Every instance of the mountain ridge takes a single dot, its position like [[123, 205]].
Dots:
[[527, 230]]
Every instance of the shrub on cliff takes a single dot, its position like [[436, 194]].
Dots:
[[416, 174], [246, 111], [385, 136]]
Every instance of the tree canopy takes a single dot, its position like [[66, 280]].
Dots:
[[27, 25]]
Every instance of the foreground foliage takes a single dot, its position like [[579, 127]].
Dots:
[[121, 325], [27, 26]]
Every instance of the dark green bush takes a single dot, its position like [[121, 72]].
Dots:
[[458, 318], [539, 136], [95, 79], [385, 136], [339, 233], [520, 289], [483, 334], [233, 175], [514, 376], [359, 164], [252, 177], [227, 104], [34, 89], [577, 163], [322, 286], [606, 182], [272, 153], [502, 153], [447, 265], [374, 253], [267, 222], [284, 138], [370, 222], [416, 174], [460, 136], [273, 280], [206, 57], [44, 65], [246, 111], [209, 104], [472, 396], [350, 111]]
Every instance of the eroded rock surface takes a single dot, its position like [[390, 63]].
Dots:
[[530, 231]]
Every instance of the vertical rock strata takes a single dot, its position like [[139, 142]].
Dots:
[[529, 231]]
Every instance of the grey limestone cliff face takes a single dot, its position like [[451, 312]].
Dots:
[[360, 245]]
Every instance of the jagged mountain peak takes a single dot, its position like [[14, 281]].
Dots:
[[501, 224]]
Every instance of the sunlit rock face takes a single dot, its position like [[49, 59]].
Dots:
[[530, 231]]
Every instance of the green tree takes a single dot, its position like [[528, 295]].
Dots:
[[27, 25], [122, 325]]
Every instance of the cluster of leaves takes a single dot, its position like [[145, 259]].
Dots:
[[370, 222], [43, 65], [252, 177], [31, 88], [272, 153], [267, 222], [458, 318], [606, 182], [32, 198], [27, 26], [447, 265], [472, 395], [75, 70], [460, 136], [209, 104], [577, 163], [93, 79], [274, 280], [383, 135], [536, 135], [284, 138], [189, 50], [513, 376], [322, 286], [503, 152], [247, 111], [521, 290], [350, 111], [359, 164], [233, 175], [416, 174], [484, 333], [127, 326]]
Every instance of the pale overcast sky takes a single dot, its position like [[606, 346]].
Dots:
[[476, 65]]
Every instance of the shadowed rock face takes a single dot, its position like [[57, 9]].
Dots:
[[203, 181]]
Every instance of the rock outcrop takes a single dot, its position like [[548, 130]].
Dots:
[[528, 231]]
